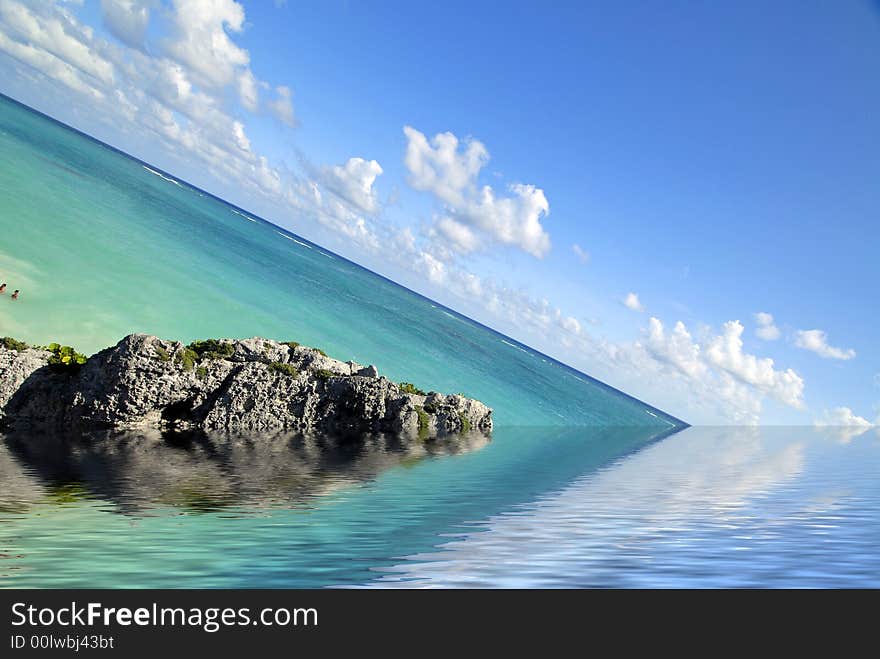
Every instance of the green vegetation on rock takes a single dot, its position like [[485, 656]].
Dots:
[[424, 422], [286, 369], [64, 358], [202, 373], [465, 422], [13, 344], [324, 374], [187, 359], [291, 344], [410, 388], [212, 349], [162, 354]]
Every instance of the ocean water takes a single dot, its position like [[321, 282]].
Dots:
[[578, 485], [102, 246], [533, 507]]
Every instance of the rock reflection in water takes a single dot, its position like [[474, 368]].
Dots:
[[201, 472]]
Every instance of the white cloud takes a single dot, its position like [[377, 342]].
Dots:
[[248, 90], [439, 167], [843, 416], [817, 341], [677, 348], [282, 106], [48, 64], [725, 352], [433, 268], [200, 42], [570, 324], [127, 20], [767, 329], [449, 170], [334, 213], [582, 254], [720, 366], [631, 301], [353, 182], [58, 35], [461, 236]]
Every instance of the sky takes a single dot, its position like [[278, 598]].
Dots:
[[678, 198]]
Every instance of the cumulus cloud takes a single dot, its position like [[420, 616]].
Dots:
[[582, 254], [440, 167], [449, 169], [631, 301], [200, 42], [843, 416], [127, 20], [333, 212], [720, 364], [676, 347], [817, 341], [353, 182], [433, 268], [767, 329], [726, 352]]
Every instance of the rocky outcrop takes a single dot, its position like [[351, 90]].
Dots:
[[234, 385]]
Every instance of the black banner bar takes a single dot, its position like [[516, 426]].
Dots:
[[135, 622]]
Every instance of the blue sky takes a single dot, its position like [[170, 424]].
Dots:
[[717, 160]]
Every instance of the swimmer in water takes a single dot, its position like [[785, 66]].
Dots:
[[2, 288], [15, 294]]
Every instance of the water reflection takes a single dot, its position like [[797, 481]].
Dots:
[[533, 507], [709, 507], [201, 472], [272, 513]]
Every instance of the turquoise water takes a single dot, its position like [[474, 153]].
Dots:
[[101, 246], [566, 492]]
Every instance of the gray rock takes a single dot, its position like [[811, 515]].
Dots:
[[16, 367], [236, 385]]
